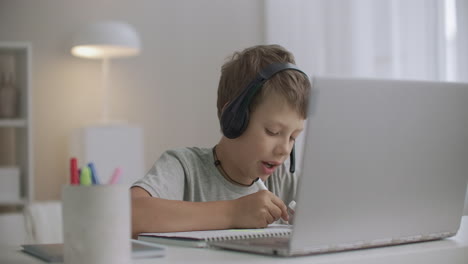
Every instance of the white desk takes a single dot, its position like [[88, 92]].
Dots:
[[452, 250]]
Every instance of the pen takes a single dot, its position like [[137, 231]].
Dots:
[[74, 178], [260, 184], [292, 207], [115, 176], [85, 177], [94, 176]]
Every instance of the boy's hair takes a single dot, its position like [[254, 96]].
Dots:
[[242, 68]]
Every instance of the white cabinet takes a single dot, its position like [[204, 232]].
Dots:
[[110, 146], [16, 155]]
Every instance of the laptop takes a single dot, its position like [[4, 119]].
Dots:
[[385, 162]]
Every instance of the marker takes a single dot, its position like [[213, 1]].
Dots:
[[85, 177], [74, 178], [94, 176], [115, 176], [260, 184]]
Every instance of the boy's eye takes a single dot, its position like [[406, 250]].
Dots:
[[271, 133]]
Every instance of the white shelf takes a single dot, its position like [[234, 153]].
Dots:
[[19, 202], [16, 133], [13, 123]]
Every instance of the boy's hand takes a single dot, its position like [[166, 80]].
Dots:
[[258, 210]]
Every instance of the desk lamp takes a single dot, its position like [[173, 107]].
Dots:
[[106, 40]]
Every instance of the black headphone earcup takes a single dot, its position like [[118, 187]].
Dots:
[[233, 124]]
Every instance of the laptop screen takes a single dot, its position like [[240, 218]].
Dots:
[[383, 159]]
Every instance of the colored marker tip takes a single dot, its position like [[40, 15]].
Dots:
[[115, 178]]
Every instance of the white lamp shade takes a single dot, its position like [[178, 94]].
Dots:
[[108, 39]]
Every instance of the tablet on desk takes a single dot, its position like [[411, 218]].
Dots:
[[142, 249], [53, 253]]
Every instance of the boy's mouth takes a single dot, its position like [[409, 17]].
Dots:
[[270, 164], [268, 167]]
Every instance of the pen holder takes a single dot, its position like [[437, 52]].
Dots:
[[96, 224]]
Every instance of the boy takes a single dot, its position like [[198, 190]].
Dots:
[[200, 189]]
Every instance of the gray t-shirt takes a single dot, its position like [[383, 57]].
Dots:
[[189, 174]]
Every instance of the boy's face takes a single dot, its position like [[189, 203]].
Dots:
[[268, 140]]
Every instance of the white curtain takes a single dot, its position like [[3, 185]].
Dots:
[[416, 39], [461, 41]]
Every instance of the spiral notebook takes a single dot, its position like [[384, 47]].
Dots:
[[201, 238]]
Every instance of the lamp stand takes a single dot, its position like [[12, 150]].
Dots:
[[105, 90]]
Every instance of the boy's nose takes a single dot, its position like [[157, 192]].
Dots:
[[283, 148]]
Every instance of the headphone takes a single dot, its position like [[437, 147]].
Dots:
[[235, 117]]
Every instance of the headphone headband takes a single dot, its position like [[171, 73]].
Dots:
[[274, 68]]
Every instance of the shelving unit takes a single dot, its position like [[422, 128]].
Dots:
[[16, 132]]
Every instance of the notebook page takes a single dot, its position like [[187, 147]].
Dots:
[[227, 234]]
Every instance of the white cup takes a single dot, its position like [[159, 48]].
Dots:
[[96, 224]]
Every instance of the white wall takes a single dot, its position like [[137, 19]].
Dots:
[[170, 89]]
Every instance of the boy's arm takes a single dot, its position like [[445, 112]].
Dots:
[[150, 214]]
